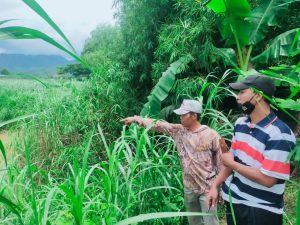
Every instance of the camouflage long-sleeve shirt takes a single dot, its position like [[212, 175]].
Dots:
[[199, 153]]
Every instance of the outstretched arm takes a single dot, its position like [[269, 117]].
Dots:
[[144, 122], [158, 126]]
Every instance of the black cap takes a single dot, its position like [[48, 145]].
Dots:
[[261, 83]]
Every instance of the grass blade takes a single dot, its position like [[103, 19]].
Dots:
[[32, 183], [16, 120], [41, 12], [151, 216], [47, 205], [3, 152], [298, 209], [14, 208], [18, 32], [5, 21]]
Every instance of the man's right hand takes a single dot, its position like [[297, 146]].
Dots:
[[212, 197], [128, 120]]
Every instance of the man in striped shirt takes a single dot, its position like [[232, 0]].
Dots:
[[256, 168]]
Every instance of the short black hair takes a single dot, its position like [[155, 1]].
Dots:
[[197, 114]]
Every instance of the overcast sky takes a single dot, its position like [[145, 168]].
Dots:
[[76, 18]]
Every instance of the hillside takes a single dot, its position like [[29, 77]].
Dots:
[[34, 64]]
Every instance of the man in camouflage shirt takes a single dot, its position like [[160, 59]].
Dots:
[[199, 151]]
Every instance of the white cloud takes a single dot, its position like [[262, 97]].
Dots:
[[76, 18]]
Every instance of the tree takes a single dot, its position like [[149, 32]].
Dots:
[[76, 70], [5, 72]]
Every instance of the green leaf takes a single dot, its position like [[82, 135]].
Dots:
[[297, 150], [5, 21], [162, 88], [234, 27], [239, 8], [33, 78], [151, 216], [289, 104], [17, 32], [228, 55], [298, 209], [41, 12], [47, 205], [266, 15], [285, 75], [16, 120], [14, 208], [3, 152], [294, 50], [218, 6], [280, 46]]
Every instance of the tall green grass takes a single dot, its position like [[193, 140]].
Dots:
[[65, 175]]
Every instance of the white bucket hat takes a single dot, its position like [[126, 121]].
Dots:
[[189, 105]]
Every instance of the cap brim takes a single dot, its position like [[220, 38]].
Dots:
[[238, 86], [180, 111]]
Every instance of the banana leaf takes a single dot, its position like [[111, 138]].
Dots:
[[287, 75], [280, 46], [289, 104], [234, 27], [296, 42], [162, 88], [264, 16]]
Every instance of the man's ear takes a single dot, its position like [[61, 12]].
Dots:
[[258, 97]]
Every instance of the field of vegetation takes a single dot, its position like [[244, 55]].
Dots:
[[66, 157]]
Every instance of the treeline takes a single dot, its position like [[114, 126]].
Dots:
[[150, 35]]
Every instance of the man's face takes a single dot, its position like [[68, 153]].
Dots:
[[187, 119], [245, 96]]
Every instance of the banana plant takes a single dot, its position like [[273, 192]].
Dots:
[[164, 85], [245, 28]]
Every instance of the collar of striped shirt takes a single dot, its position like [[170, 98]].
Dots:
[[267, 121]]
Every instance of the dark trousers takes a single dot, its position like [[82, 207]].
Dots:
[[247, 215]]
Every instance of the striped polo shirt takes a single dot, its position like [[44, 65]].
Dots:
[[265, 146]]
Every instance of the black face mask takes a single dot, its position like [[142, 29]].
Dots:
[[247, 107]]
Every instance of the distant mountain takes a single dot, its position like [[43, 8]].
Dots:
[[35, 64]]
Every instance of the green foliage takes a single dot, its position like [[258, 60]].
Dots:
[[76, 70], [140, 22], [265, 16], [234, 25], [249, 28], [14, 208], [163, 87], [298, 208], [104, 45], [18, 32], [5, 72], [3, 152], [280, 46], [189, 30], [56, 185], [41, 12]]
